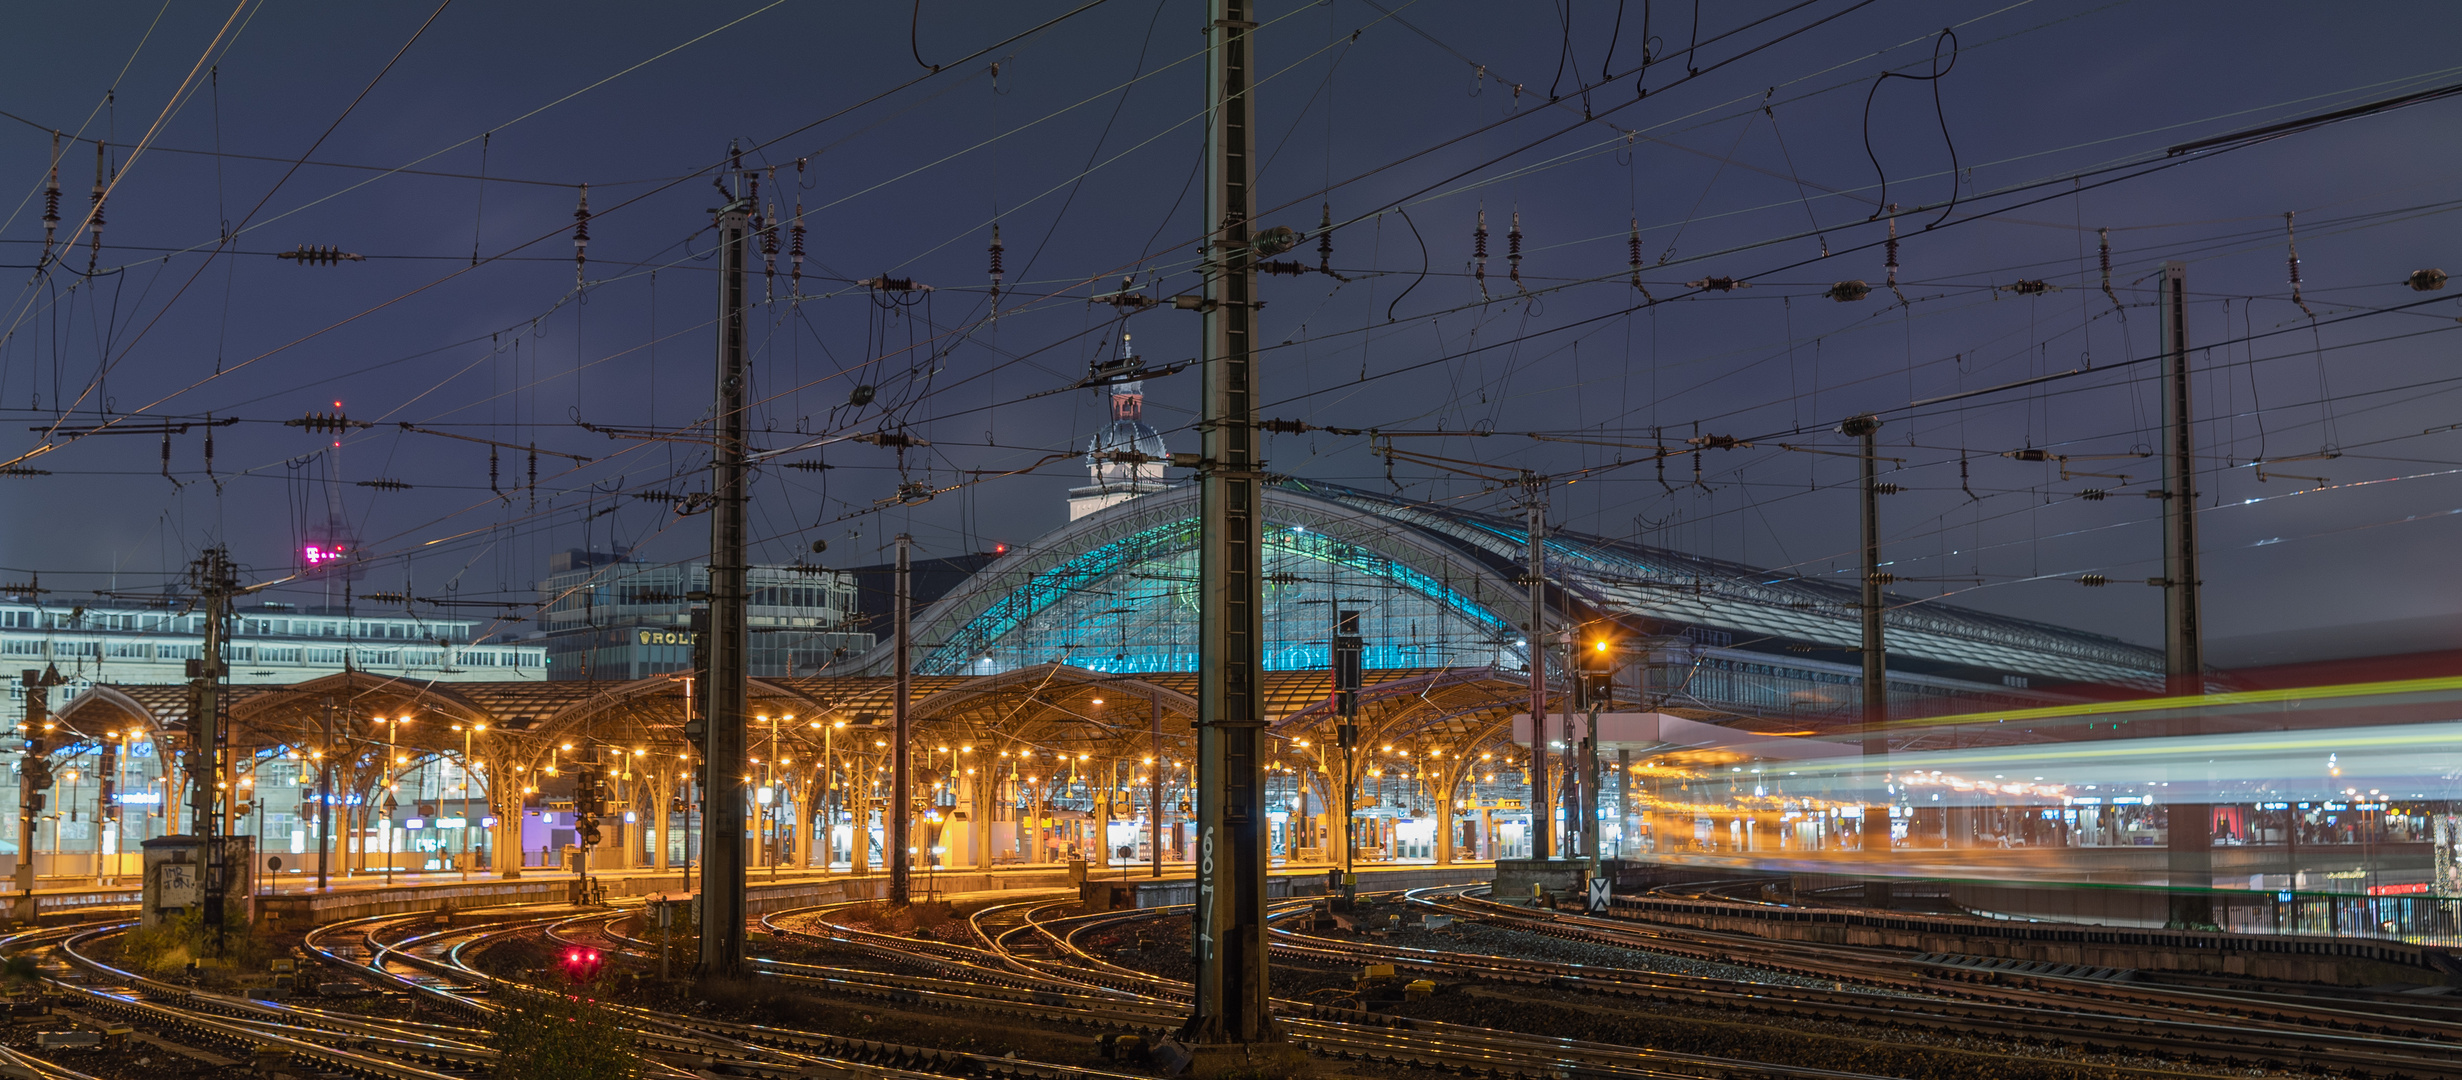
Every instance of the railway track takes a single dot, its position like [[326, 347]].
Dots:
[[1870, 986], [330, 1042], [1055, 976], [1028, 960]]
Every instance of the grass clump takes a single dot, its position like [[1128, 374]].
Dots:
[[554, 1037], [171, 945]]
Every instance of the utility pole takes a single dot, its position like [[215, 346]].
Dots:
[[2190, 833], [1231, 1000], [722, 816], [1348, 644], [209, 737], [33, 779], [324, 804], [1154, 791], [901, 860], [1876, 842], [1542, 809]]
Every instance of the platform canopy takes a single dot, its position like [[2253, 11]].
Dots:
[[1052, 715]]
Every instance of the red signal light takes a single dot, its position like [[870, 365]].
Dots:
[[581, 963]]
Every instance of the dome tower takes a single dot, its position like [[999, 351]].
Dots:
[[1126, 456]]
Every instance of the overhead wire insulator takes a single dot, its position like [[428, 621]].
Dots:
[[315, 255], [581, 236], [1847, 292], [2094, 581], [1478, 251], [384, 485], [997, 273], [2426, 280], [2029, 287], [885, 283], [1632, 259], [1325, 240], [1513, 252], [334, 423], [1718, 284], [94, 252], [2103, 241], [795, 252], [2291, 237], [795, 248], [1893, 253], [51, 200], [769, 254]]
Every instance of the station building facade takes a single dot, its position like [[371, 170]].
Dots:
[[603, 616]]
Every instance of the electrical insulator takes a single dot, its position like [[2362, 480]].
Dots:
[[769, 252], [1883, 577], [1886, 489], [2291, 237], [1478, 251], [335, 423], [312, 255], [1893, 254], [998, 273], [2427, 280], [795, 253], [581, 236], [1325, 240], [2093, 580], [51, 199], [94, 254], [1632, 258], [1847, 292]]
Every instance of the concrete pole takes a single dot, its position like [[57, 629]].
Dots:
[[2190, 825], [1231, 995], [1542, 809], [662, 804], [722, 816], [1876, 844], [1154, 793], [901, 801], [1626, 829]]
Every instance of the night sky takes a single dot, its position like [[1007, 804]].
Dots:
[[1079, 135]]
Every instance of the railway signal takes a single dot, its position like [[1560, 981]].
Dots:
[[580, 964]]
